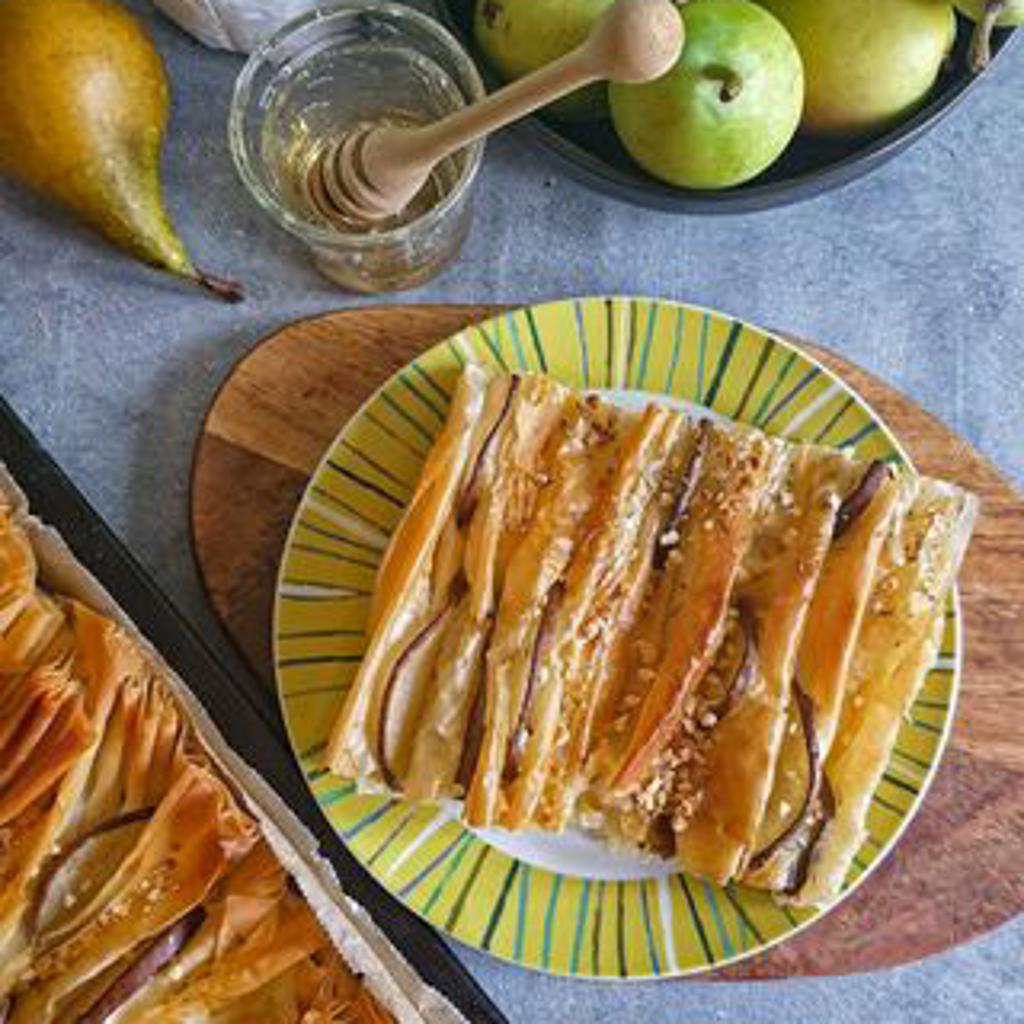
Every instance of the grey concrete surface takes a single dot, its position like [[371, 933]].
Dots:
[[916, 272]]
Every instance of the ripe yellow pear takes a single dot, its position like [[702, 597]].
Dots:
[[866, 62], [83, 108]]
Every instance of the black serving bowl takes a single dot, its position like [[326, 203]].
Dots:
[[593, 154]]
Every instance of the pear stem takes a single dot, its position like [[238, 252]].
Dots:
[[229, 291], [981, 42], [730, 83]]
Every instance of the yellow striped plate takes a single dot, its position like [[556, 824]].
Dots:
[[633, 927]]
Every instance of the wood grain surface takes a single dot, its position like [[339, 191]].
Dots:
[[958, 871]]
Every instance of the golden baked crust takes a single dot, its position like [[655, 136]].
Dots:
[[898, 642], [778, 578], [134, 886], [642, 622], [826, 646]]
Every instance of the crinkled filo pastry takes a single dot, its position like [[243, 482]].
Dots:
[[133, 885], [693, 637]]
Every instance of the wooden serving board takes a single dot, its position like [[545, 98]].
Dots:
[[959, 870]]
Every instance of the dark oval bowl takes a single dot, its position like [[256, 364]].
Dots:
[[593, 154]]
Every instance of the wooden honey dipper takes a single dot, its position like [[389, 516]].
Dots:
[[374, 172]]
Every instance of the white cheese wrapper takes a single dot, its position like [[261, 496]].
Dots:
[[363, 945], [233, 24]]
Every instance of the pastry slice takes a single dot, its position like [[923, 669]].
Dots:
[[406, 604], [447, 738], [740, 713], [138, 760], [689, 598], [502, 485], [897, 645], [101, 661], [130, 877], [871, 497], [518, 680], [479, 410], [256, 954], [255, 949], [148, 975], [195, 834], [447, 546], [603, 584]]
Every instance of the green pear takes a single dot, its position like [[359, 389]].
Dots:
[[987, 14], [519, 36], [83, 108], [867, 62], [726, 110]]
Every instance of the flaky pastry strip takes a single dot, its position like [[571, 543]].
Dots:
[[897, 645], [194, 836], [693, 592], [745, 716], [531, 589], [826, 648], [403, 594], [598, 606]]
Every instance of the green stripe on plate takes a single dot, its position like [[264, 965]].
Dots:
[[711, 395], [695, 921], [499, 906]]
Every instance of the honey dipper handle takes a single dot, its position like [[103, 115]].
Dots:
[[634, 41]]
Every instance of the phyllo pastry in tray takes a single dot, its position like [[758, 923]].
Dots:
[[137, 882], [690, 636]]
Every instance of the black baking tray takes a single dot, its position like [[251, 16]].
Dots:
[[229, 698], [592, 153]]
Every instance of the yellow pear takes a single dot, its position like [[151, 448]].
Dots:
[[867, 63], [83, 108]]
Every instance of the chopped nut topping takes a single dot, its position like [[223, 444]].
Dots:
[[646, 653]]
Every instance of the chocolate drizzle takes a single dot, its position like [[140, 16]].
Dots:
[[470, 494], [541, 643], [687, 489], [857, 501]]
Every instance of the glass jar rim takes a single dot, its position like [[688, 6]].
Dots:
[[243, 93]]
